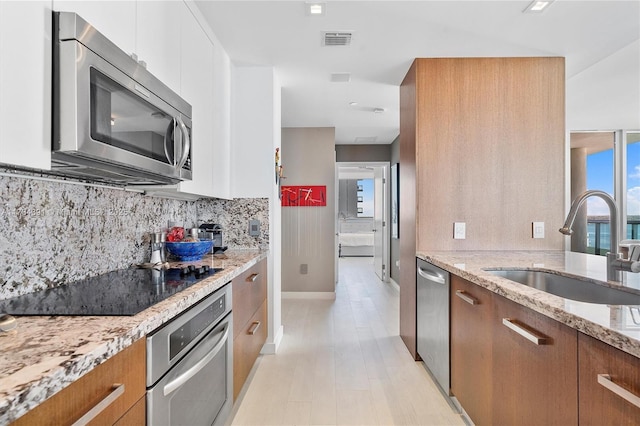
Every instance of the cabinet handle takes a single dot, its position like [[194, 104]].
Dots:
[[252, 278], [118, 389], [605, 380], [538, 340], [431, 276], [464, 296], [254, 327]]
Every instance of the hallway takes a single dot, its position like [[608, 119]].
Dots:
[[342, 362]]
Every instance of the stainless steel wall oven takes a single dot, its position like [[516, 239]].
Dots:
[[190, 365]]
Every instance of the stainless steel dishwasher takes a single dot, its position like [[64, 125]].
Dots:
[[433, 321]]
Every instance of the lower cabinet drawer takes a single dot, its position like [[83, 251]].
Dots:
[[118, 383], [609, 384], [247, 345], [136, 416]]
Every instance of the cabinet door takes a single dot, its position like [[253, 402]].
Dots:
[[110, 389], [25, 83], [471, 323], [609, 384], [222, 123], [158, 42], [197, 89], [533, 383], [116, 20], [249, 291]]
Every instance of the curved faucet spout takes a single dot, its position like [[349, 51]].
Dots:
[[613, 214]]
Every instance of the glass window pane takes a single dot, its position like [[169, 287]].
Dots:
[[633, 185]]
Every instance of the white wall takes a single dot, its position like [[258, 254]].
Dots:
[[607, 94], [255, 135]]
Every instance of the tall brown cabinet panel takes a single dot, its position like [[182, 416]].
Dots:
[[481, 142]]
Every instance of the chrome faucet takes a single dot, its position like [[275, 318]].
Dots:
[[614, 264]]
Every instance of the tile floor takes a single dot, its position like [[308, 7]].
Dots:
[[342, 362]]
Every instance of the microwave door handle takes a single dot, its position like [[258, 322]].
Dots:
[[186, 147], [166, 142]]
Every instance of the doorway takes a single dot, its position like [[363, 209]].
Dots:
[[362, 212]]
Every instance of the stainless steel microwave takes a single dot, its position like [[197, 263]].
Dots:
[[113, 121]]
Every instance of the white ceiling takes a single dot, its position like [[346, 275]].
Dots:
[[388, 35]]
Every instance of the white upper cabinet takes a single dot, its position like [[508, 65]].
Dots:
[[158, 39], [197, 60], [25, 83], [116, 20]]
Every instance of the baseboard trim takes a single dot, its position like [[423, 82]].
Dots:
[[271, 348], [321, 295], [394, 284]]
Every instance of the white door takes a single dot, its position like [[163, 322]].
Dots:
[[379, 225]]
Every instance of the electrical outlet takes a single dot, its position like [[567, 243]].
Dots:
[[459, 230], [254, 228], [538, 229]]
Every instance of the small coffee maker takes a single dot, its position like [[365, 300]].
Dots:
[[212, 231]]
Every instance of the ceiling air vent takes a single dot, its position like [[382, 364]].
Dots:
[[365, 139], [340, 77], [336, 38]]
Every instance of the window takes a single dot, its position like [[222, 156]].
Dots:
[[607, 161], [365, 198]]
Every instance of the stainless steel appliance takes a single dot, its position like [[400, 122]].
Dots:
[[433, 321], [212, 231], [113, 121], [190, 365]]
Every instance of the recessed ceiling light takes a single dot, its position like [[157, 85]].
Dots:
[[353, 103], [537, 6], [378, 110], [315, 8]]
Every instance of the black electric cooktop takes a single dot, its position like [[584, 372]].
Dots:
[[118, 293]]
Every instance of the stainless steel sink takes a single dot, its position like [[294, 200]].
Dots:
[[569, 287]]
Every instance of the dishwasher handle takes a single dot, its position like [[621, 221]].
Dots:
[[431, 276]]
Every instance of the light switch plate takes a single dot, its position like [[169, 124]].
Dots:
[[459, 230], [538, 229]]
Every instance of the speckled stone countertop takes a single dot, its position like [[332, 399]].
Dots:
[[45, 354], [616, 325]]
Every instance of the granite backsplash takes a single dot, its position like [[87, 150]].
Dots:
[[57, 232]]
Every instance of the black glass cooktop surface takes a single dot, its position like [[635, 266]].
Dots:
[[122, 292]]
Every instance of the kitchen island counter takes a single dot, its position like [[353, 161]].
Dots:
[[45, 354], [616, 325]]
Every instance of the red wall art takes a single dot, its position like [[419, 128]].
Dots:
[[304, 196]]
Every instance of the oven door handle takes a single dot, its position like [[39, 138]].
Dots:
[[187, 375]]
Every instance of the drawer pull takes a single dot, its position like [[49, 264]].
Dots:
[[252, 278], [464, 296], [118, 389], [254, 327], [538, 340], [605, 380]]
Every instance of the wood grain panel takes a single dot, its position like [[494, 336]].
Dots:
[[598, 405], [65, 407], [471, 352], [247, 347], [407, 210], [248, 295], [136, 416], [533, 384], [489, 151]]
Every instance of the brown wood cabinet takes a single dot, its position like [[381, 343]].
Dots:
[[121, 379], [609, 384], [481, 142], [471, 339], [535, 377], [249, 321]]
